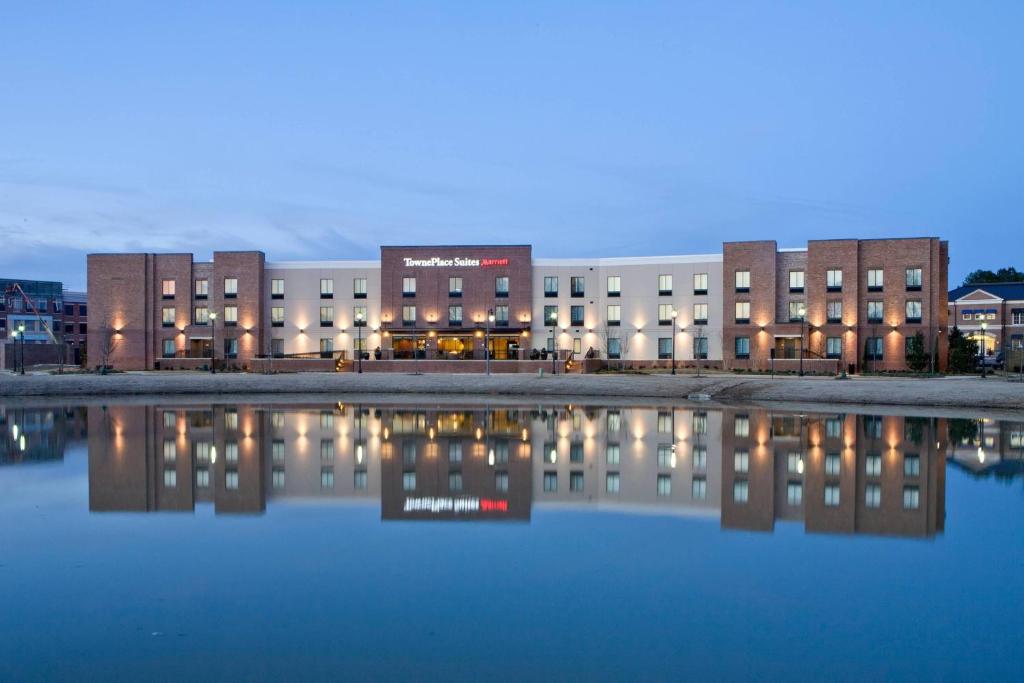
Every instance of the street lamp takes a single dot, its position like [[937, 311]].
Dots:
[[981, 348], [803, 323], [487, 340], [675, 314], [359, 346], [553, 321], [21, 333], [213, 343]]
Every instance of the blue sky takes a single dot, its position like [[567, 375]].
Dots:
[[321, 130]]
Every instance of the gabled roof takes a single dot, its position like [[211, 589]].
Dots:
[[1010, 291]]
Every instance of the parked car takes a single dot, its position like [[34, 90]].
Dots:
[[993, 361]]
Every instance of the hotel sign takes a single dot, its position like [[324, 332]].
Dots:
[[458, 506], [440, 262]]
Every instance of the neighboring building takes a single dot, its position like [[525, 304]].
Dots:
[[449, 303], [835, 473], [991, 314], [62, 312], [842, 304]]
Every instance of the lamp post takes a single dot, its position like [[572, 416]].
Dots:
[[803, 324], [359, 345], [14, 334], [21, 334], [487, 340], [553, 320], [213, 343], [675, 314], [981, 348]]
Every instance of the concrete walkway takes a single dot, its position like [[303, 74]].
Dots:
[[956, 392]]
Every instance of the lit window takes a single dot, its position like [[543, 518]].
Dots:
[[700, 314], [611, 482], [794, 493], [742, 426], [231, 452], [876, 280], [612, 454], [741, 461], [834, 280], [796, 280], [277, 288], [913, 311], [501, 285], [794, 463], [832, 495], [231, 479], [834, 311], [170, 419], [742, 280], [408, 286], [408, 481], [326, 316], [665, 458], [168, 289], [614, 285], [875, 311], [700, 423], [740, 491], [168, 316], [231, 315], [913, 278], [664, 284], [359, 288], [170, 450], [202, 289], [664, 484], [614, 421], [550, 285], [202, 315], [700, 283], [872, 495], [665, 314], [455, 315], [834, 347], [230, 286], [873, 465], [277, 315], [170, 478], [326, 288], [455, 286], [614, 314], [832, 463], [408, 315], [742, 311]]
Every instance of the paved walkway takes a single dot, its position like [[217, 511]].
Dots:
[[958, 392]]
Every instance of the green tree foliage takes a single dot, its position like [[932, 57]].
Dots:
[[963, 352], [980, 277], [917, 356], [962, 430]]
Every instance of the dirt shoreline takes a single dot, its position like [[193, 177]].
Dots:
[[970, 393]]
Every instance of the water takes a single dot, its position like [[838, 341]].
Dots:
[[511, 542]]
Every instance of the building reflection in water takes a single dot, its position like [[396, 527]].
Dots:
[[838, 473], [30, 435]]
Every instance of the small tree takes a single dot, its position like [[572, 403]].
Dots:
[[963, 352], [917, 356], [108, 345]]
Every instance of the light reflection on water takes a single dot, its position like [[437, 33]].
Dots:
[[613, 521]]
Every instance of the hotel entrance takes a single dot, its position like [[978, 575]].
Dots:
[[200, 348], [788, 347], [504, 347], [455, 347], [407, 346]]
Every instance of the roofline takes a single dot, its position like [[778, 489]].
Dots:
[[628, 260], [453, 246], [295, 265]]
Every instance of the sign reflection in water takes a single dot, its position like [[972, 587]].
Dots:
[[839, 473]]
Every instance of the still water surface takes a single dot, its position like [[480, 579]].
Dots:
[[528, 542]]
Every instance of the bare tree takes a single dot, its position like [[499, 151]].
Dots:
[[606, 334], [108, 345]]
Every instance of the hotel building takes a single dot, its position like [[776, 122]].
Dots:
[[833, 305], [991, 314]]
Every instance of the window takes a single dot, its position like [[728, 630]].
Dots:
[[455, 286], [832, 464], [664, 347], [614, 314], [873, 426], [740, 491], [326, 316], [797, 311], [832, 495], [170, 478], [359, 316], [277, 347], [326, 450], [794, 493], [834, 280], [913, 311], [577, 286], [741, 426], [911, 465], [833, 427], [408, 481], [700, 283], [699, 488], [277, 289], [576, 315], [168, 316], [501, 286], [913, 279], [875, 280], [230, 287], [795, 463], [550, 482], [834, 347], [577, 345], [665, 314], [742, 312], [873, 465], [614, 285], [664, 422], [359, 288], [326, 348], [277, 316], [202, 315], [834, 311], [202, 289], [614, 421], [551, 315], [455, 315], [743, 347], [742, 280], [700, 458], [966, 315], [1017, 317], [408, 286], [408, 315], [455, 481], [501, 482], [664, 484], [576, 481], [576, 452], [454, 451], [875, 311], [700, 314], [170, 451], [326, 289], [168, 289], [612, 454], [911, 497], [614, 348], [611, 482], [741, 461], [231, 315], [873, 348], [796, 281], [872, 495], [700, 348], [231, 348], [664, 285], [550, 285]]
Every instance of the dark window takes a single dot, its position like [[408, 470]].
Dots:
[[576, 286], [82, 328], [576, 315], [69, 328]]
